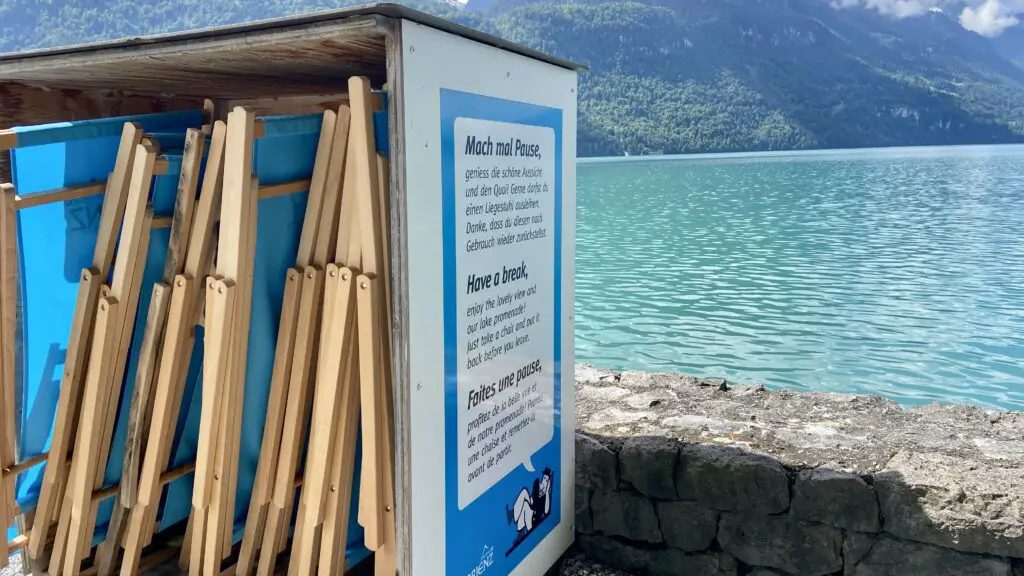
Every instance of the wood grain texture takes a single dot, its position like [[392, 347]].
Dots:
[[184, 203], [8, 335], [295, 60]]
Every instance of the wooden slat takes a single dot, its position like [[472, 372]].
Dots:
[[142, 399], [79, 343], [87, 190], [267, 470], [137, 221], [234, 261], [327, 231], [311, 512], [332, 407], [184, 204], [238, 154], [296, 417], [241, 348], [70, 540], [8, 139], [215, 366], [314, 205], [8, 318], [284, 189], [367, 202], [186, 295], [219, 305], [124, 292], [139, 415], [26, 464], [60, 195], [370, 491], [213, 490], [364, 152], [324, 222]]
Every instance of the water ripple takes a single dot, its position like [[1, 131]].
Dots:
[[894, 272]]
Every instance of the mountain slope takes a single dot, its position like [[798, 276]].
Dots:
[[671, 76], [746, 74]]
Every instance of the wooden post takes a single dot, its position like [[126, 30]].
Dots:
[[8, 316]]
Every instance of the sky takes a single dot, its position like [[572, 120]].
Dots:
[[986, 17]]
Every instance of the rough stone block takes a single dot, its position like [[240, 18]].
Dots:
[[676, 563], [766, 572], [614, 554], [687, 526], [890, 556], [856, 546], [649, 464], [783, 543], [964, 505], [732, 479], [835, 498], [625, 515], [584, 519], [596, 465], [657, 562]]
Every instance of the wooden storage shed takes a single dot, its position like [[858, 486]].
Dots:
[[466, 466]]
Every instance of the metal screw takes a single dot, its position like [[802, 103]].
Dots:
[[103, 306], [334, 488], [333, 273], [387, 508], [309, 275], [180, 282], [412, 49], [364, 285], [345, 276], [220, 289], [216, 476]]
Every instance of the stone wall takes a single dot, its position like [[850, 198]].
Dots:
[[683, 476]]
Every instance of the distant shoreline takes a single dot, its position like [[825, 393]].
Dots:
[[875, 152]]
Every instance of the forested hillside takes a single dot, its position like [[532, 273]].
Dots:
[[669, 76]]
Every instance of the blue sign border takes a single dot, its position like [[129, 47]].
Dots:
[[478, 537]]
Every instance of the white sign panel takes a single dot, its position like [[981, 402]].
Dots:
[[490, 178], [504, 244]]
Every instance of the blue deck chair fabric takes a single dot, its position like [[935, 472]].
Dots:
[[286, 153], [56, 242]]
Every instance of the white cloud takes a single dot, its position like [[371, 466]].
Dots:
[[990, 18], [986, 17], [894, 8]]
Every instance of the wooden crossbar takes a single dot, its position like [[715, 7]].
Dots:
[[87, 190]]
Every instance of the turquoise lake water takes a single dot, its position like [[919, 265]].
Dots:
[[898, 272]]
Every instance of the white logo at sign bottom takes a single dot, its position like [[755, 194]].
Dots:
[[486, 560]]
